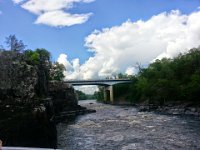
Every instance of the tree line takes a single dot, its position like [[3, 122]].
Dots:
[[167, 80], [39, 57]]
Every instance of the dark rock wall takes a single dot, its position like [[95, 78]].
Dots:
[[29, 127], [17, 78], [26, 114], [63, 95]]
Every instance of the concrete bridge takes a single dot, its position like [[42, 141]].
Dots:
[[107, 84]]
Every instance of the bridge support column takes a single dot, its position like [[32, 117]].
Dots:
[[111, 94], [108, 94], [104, 94]]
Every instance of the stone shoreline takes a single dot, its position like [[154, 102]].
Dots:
[[182, 109]]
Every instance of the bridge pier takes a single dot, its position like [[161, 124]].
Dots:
[[104, 93], [110, 97], [111, 94]]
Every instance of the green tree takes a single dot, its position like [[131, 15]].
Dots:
[[32, 57], [43, 66], [56, 71]]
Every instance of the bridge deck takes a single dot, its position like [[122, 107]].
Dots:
[[98, 82]]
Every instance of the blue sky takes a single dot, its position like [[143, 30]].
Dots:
[[67, 42]]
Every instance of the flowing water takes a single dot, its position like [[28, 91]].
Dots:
[[124, 128]]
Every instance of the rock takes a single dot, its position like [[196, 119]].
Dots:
[[28, 126], [176, 109], [25, 120], [144, 108], [64, 96]]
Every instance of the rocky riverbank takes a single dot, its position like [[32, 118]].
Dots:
[[33, 124], [172, 108]]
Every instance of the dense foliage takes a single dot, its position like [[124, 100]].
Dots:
[[99, 95], [82, 96], [56, 71], [38, 60], [166, 80]]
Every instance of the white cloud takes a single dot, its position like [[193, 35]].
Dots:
[[61, 19], [119, 48], [17, 1], [88, 89], [72, 67], [54, 12], [42, 6], [88, 1], [131, 70]]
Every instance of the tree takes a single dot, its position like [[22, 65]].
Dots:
[[56, 72], [14, 44], [32, 57], [43, 66]]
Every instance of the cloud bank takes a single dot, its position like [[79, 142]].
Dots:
[[119, 48], [54, 12]]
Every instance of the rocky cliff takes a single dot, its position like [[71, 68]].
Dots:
[[28, 104]]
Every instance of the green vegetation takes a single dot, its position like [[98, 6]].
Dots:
[[99, 95], [39, 60], [166, 80], [169, 80], [56, 72], [83, 96]]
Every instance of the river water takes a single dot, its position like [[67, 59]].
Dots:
[[124, 128]]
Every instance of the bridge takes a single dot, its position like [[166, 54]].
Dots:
[[106, 83]]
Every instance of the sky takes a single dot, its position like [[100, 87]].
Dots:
[[101, 38]]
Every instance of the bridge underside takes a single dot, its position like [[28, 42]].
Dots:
[[107, 84], [107, 89]]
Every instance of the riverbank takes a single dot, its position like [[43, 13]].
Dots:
[[183, 109], [170, 108], [123, 127]]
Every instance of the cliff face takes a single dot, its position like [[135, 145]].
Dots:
[[63, 95], [26, 113], [17, 78]]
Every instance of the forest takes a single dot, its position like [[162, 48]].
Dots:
[[164, 81]]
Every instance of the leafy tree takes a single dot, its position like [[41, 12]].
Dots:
[[99, 95], [43, 66], [32, 57], [56, 71], [81, 95], [166, 80], [123, 76], [14, 44]]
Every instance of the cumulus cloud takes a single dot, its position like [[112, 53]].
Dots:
[[88, 89], [54, 12], [17, 1], [119, 48], [131, 70], [61, 19]]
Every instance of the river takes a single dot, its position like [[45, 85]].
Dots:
[[125, 128]]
